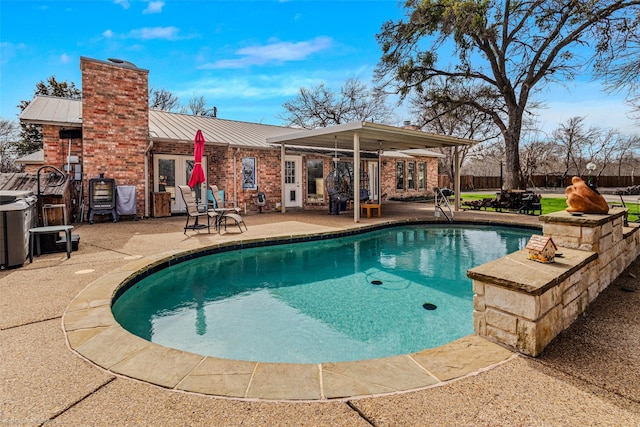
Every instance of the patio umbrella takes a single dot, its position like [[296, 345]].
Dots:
[[197, 175]]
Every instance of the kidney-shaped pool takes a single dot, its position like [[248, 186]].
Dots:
[[387, 292]]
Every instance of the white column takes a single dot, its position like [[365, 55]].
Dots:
[[282, 171], [456, 166], [356, 172]]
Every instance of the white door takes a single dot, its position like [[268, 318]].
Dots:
[[171, 171], [293, 181]]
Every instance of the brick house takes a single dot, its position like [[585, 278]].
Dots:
[[112, 131]]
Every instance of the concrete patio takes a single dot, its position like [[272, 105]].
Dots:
[[587, 376]]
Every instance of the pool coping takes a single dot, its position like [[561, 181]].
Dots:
[[93, 333]]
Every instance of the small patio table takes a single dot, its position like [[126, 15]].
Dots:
[[35, 233], [369, 206]]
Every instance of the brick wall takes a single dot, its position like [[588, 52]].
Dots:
[[388, 172], [115, 123], [267, 175], [56, 149]]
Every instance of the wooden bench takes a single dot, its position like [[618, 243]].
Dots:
[[368, 207]]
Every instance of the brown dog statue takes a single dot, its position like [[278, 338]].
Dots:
[[581, 198]]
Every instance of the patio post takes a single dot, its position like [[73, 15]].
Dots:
[[356, 172], [456, 156], [282, 172]]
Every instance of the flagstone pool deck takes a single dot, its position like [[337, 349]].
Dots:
[[587, 376]]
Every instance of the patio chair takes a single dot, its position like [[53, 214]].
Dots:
[[195, 210], [217, 203], [216, 198]]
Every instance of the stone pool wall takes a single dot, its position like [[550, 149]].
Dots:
[[524, 304]]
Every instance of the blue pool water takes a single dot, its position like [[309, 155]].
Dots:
[[342, 299]]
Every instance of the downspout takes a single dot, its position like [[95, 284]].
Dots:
[[235, 178], [146, 178]]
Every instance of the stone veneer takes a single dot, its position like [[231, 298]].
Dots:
[[524, 304]]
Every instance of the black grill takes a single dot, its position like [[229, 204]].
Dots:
[[102, 194]]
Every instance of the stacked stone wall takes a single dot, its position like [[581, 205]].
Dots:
[[526, 313]]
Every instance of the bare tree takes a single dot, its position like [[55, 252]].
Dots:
[[627, 149], [162, 99], [622, 71], [433, 115], [8, 142], [509, 49], [537, 156], [570, 140], [198, 107], [321, 107]]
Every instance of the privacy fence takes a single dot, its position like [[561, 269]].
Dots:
[[470, 182]]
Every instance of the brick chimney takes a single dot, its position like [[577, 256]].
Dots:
[[407, 125], [115, 122]]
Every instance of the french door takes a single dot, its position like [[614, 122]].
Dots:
[[170, 171], [293, 181]]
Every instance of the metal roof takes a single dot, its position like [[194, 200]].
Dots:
[[372, 137], [167, 126], [53, 110], [33, 158]]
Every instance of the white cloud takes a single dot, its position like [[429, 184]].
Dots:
[[585, 99], [154, 7], [8, 51], [252, 87], [65, 59], [278, 52], [165, 33], [124, 3], [147, 33]]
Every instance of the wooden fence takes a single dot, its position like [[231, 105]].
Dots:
[[470, 182]]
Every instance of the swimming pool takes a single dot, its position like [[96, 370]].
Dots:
[[348, 298]]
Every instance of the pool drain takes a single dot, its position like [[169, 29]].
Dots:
[[429, 306], [376, 282]]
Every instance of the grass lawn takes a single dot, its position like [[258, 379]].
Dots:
[[549, 204]]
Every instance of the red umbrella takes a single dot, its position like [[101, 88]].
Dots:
[[197, 175]]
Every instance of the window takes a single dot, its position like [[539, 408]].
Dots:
[[315, 180], [289, 172], [422, 172], [411, 175], [400, 176]]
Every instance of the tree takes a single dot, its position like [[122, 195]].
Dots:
[[433, 116], [537, 156], [30, 134], [508, 49], [319, 106], [621, 72], [162, 99], [627, 149], [569, 139], [8, 138], [198, 107]]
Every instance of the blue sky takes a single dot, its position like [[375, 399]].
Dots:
[[244, 57]]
